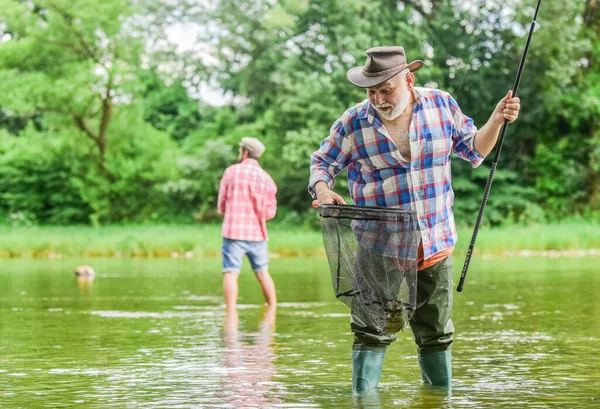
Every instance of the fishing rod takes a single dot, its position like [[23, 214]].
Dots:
[[488, 185]]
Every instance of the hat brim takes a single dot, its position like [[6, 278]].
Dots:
[[356, 77]]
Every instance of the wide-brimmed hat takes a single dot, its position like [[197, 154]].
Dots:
[[382, 64], [252, 145]]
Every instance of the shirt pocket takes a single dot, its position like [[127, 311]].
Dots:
[[437, 147]]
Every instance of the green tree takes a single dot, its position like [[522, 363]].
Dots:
[[289, 59], [76, 66], [38, 182], [71, 58], [169, 108]]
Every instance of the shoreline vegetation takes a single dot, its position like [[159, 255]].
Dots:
[[572, 239]]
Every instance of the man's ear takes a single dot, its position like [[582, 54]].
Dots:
[[410, 80]]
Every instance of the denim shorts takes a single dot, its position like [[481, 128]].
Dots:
[[234, 250]]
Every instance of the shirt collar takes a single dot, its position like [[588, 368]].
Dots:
[[250, 161], [417, 95], [364, 113]]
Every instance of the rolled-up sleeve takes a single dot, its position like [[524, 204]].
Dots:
[[332, 157], [463, 135]]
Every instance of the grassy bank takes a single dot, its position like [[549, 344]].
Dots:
[[202, 241]]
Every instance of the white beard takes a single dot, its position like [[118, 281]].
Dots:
[[397, 109]]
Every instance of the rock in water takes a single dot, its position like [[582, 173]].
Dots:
[[84, 271]]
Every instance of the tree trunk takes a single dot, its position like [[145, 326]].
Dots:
[[591, 15], [591, 18]]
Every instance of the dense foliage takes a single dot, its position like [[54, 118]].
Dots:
[[101, 121]]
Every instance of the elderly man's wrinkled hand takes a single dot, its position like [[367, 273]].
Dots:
[[507, 109], [328, 196]]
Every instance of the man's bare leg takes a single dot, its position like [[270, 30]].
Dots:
[[230, 290], [268, 287]]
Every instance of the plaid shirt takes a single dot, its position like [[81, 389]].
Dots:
[[378, 175], [247, 199]]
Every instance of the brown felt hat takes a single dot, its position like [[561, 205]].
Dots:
[[382, 64]]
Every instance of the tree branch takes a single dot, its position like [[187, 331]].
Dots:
[[107, 106], [87, 51], [80, 122], [590, 12], [416, 7]]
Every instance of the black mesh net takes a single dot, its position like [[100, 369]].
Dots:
[[372, 254]]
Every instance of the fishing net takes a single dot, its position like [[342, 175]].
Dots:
[[372, 254]]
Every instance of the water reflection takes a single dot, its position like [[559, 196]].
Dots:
[[428, 396], [421, 397], [84, 284], [369, 399], [138, 340], [249, 362]]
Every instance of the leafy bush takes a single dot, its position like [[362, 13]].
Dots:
[[38, 180]]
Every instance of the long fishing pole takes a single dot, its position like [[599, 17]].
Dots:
[[488, 185]]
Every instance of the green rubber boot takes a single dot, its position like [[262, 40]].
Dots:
[[366, 369], [436, 368]]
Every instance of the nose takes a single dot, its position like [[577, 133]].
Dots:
[[379, 99]]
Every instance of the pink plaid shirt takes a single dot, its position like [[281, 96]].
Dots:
[[247, 199]]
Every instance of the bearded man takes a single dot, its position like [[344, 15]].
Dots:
[[396, 145]]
